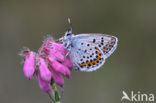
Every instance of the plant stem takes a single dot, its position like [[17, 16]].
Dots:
[[55, 92], [53, 100]]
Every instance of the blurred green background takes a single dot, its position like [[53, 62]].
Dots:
[[132, 67]]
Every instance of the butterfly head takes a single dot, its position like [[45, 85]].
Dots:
[[68, 34], [67, 39]]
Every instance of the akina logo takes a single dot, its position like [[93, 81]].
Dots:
[[137, 97]]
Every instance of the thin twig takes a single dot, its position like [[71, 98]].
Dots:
[[53, 100]]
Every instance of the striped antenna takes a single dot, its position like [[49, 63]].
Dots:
[[70, 24]]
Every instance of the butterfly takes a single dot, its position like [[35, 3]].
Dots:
[[88, 51]]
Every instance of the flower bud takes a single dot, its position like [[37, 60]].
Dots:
[[68, 63], [60, 48], [58, 67], [44, 85], [58, 78], [29, 67], [57, 55], [44, 71]]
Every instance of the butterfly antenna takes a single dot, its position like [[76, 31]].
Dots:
[[70, 24]]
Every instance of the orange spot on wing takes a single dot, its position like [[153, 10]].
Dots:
[[88, 63], [82, 64], [97, 59]]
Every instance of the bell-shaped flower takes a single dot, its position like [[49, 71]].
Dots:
[[55, 54], [58, 78], [29, 64], [68, 63], [59, 47], [44, 70], [44, 85], [58, 67]]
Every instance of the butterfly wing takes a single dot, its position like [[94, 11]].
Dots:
[[106, 43], [89, 51], [86, 56]]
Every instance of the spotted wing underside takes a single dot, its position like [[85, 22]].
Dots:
[[91, 50], [88, 57], [106, 43]]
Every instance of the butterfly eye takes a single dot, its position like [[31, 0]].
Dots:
[[68, 34]]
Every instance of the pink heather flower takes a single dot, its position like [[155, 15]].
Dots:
[[44, 85], [50, 62], [58, 78], [44, 71], [58, 67], [55, 54], [29, 67], [68, 63], [60, 47]]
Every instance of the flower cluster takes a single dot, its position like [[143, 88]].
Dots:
[[49, 63]]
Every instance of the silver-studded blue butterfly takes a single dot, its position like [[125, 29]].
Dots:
[[88, 51]]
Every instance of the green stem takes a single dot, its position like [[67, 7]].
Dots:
[[53, 100], [55, 92]]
